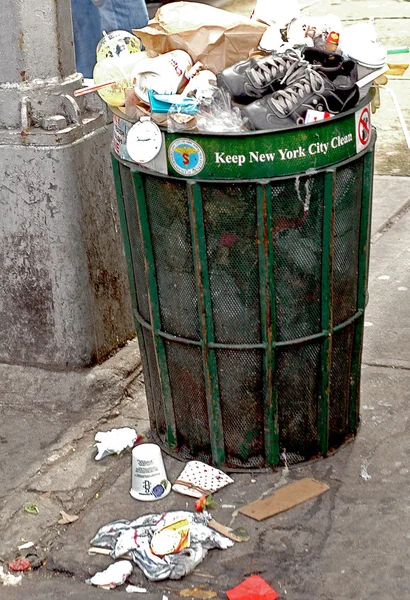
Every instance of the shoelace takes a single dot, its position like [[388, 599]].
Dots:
[[285, 100], [268, 69]]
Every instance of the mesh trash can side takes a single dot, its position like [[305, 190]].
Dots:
[[249, 300]]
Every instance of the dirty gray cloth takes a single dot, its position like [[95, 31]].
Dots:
[[134, 538]]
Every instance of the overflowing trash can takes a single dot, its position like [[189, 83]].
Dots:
[[248, 259]]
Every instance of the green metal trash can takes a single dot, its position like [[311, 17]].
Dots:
[[248, 260]]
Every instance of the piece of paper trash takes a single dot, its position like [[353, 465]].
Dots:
[[25, 546], [284, 498], [66, 519], [133, 589], [198, 478], [115, 575], [237, 535], [197, 593], [9, 578], [114, 441], [364, 473], [253, 588]]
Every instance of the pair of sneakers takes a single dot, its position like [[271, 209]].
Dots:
[[279, 88]]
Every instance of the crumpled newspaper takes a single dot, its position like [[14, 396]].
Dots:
[[114, 441], [114, 575], [134, 538]]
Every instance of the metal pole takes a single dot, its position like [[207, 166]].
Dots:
[[64, 298]]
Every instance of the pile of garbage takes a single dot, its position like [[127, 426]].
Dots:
[[199, 68], [170, 544]]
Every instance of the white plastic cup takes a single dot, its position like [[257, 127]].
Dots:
[[149, 478], [163, 74]]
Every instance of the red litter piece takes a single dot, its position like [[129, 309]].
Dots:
[[19, 564], [253, 588]]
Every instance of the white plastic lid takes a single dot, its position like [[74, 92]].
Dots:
[[372, 55], [144, 141]]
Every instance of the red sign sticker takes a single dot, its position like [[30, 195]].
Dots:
[[363, 127]]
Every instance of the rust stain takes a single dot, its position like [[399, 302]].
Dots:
[[21, 40]]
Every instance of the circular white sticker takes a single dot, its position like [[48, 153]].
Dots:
[[144, 141], [186, 157]]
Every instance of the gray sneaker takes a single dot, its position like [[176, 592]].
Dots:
[[311, 90], [256, 77]]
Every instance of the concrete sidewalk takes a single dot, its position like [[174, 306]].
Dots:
[[334, 547], [352, 543]]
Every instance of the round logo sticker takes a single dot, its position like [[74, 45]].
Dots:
[[186, 157]]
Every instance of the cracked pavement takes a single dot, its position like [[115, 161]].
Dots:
[[352, 542]]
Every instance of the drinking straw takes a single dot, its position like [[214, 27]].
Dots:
[[92, 88]]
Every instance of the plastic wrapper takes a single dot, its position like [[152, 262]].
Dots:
[[133, 538], [218, 116], [253, 588], [180, 121]]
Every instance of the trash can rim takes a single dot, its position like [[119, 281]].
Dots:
[[140, 168], [363, 102]]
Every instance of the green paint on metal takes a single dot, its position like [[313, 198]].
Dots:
[[270, 194], [155, 311], [357, 315], [364, 250], [126, 229], [263, 154], [268, 324], [206, 324], [263, 346], [326, 309], [125, 234]]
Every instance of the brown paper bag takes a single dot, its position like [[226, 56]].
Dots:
[[215, 37]]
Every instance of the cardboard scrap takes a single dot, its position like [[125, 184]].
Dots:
[[227, 531], [397, 69], [66, 519], [285, 498], [197, 593]]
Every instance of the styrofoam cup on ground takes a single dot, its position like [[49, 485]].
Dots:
[[149, 478], [163, 74]]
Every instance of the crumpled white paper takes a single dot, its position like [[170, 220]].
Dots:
[[114, 441], [133, 589], [116, 574], [9, 578]]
